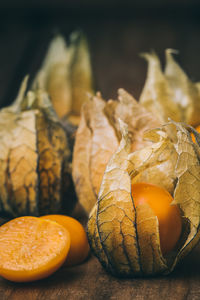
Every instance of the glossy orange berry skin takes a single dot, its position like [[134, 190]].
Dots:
[[79, 246], [198, 130], [169, 217]]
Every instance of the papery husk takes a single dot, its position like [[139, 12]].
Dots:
[[34, 157], [98, 137], [66, 75], [170, 93], [125, 238], [95, 142]]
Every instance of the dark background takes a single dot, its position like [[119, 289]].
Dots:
[[117, 32]]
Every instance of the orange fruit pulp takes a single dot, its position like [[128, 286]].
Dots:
[[79, 247], [197, 129], [32, 248], [169, 217]]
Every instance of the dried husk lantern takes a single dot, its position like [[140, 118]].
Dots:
[[35, 172], [166, 94], [170, 93], [125, 237], [98, 136], [66, 74]]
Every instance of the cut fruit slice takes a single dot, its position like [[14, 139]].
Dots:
[[79, 247], [32, 248]]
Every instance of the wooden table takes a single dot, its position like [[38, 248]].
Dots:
[[115, 43], [90, 281]]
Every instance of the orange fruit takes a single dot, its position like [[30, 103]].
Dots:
[[32, 248], [197, 129], [79, 247], [169, 217]]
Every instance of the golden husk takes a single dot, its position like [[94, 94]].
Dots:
[[125, 238], [66, 75], [170, 93], [34, 169], [98, 136]]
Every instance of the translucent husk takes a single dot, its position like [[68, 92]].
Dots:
[[170, 93], [67, 76], [34, 155], [125, 238], [98, 137]]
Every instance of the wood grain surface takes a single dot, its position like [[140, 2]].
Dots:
[[90, 281], [115, 45]]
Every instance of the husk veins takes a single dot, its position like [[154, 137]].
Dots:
[[34, 168], [66, 75], [125, 238], [98, 137], [170, 93]]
